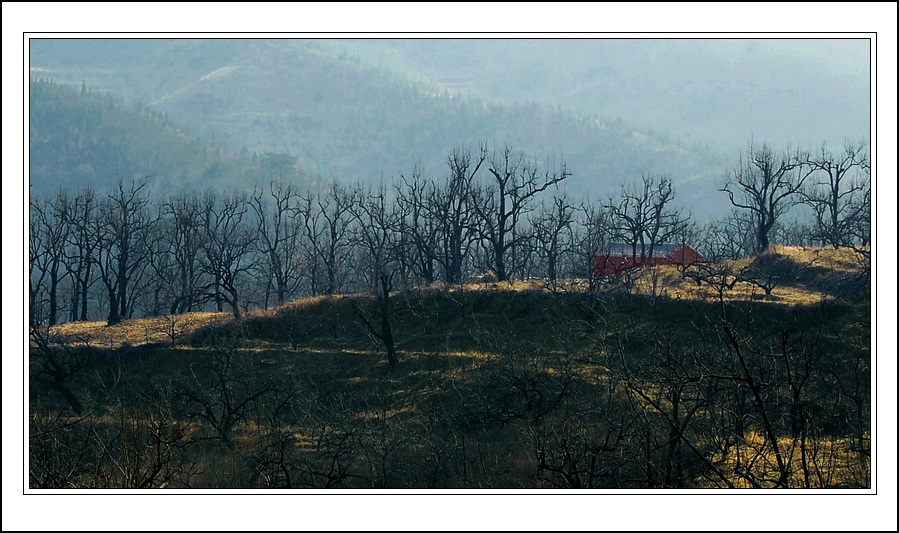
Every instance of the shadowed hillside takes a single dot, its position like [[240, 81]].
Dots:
[[495, 386]]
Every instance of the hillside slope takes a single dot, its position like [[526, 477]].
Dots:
[[354, 121], [493, 389], [715, 91], [79, 138]]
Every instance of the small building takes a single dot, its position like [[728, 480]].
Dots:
[[620, 256]]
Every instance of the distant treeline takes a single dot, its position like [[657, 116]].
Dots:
[[494, 212]]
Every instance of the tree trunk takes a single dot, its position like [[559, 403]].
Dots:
[[114, 316], [386, 330], [499, 252]]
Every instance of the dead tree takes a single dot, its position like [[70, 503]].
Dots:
[[766, 184], [278, 238], [226, 249], [82, 244], [501, 205], [123, 232], [841, 196], [382, 329], [642, 217]]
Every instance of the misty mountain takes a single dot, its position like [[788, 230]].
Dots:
[[78, 138], [716, 91], [347, 118]]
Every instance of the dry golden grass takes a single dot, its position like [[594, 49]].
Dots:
[[830, 462], [137, 331], [658, 281], [667, 282], [670, 284], [845, 259]]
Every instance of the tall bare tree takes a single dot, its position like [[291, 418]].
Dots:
[[332, 242], [381, 327], [37, 262], [82, 244], [420, 230], [502, 203], [124, 227], [767, 185], [376, 233], [840, 194], [226, 248], [181, 240], [552, 227], [52, 233], [452, 206], [591, 236], [279, 233]]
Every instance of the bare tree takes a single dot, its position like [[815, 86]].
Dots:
[[144, 448], [82, 244], [181, 242], [420, 231], [50, 232], [841, 198], [552, 234], [313, 233], [124, 227], [673, 388], [279, 232], [732, 237], [219, 391], [226, 248], [58, 450], [766, 184], [643, 218], [501, 205], [381, 327], [591, 238], [37, 263], [331, 239], [57, 365], [376, 232], [452, 206]]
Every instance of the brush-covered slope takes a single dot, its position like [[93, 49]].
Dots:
[[494, 389]]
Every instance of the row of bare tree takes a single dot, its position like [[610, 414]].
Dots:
[[489, 213], [836, 186]]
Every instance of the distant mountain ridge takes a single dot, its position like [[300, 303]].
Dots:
[[79, 138], [348, 118], [716, 91]]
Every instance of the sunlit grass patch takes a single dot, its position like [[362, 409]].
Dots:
[[825, 463], [137, 331]]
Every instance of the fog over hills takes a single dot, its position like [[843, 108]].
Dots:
[[718, 91], [369, 109]]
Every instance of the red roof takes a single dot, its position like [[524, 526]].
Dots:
[[619, 258]]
